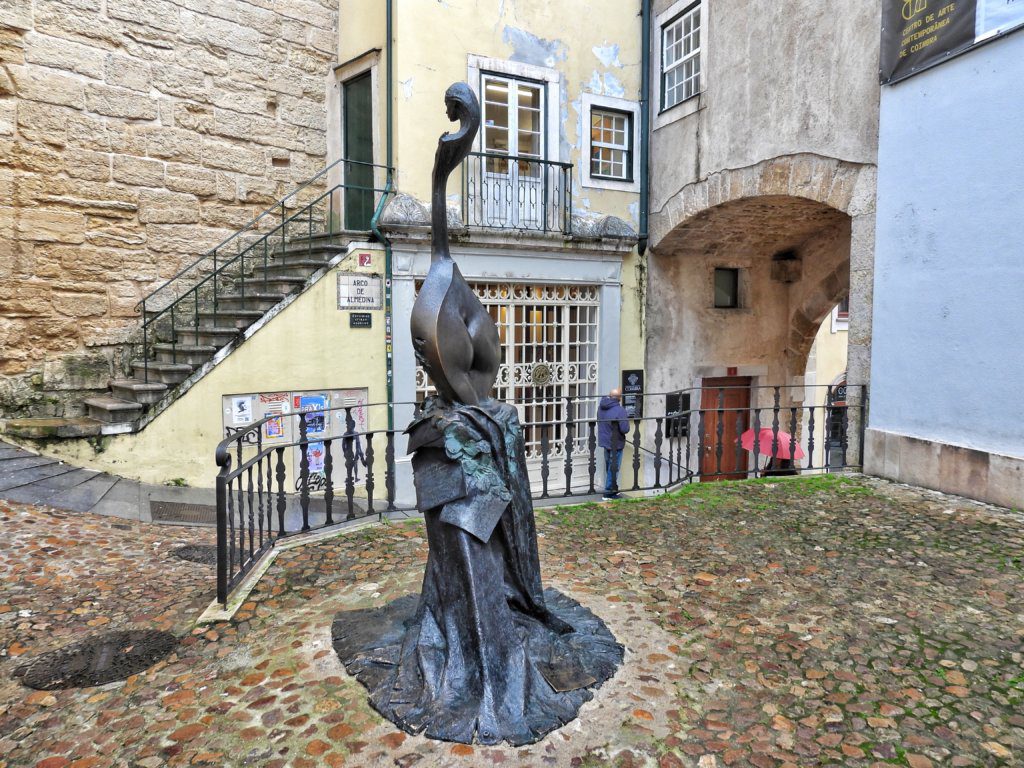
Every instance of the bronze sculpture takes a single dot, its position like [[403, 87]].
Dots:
[[485, 653]]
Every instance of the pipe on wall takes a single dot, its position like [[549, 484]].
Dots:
[[645, 121]]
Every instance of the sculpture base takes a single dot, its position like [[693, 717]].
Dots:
[[515, 680]]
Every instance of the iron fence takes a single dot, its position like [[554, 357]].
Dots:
[[516, 192], [268, 489]]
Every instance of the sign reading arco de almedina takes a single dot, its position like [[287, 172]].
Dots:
[[917, 34]]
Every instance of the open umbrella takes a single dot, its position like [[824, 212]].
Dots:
[[766, 441]]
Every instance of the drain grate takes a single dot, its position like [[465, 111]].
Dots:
[[177, 512], [206, 554], [97, 660]]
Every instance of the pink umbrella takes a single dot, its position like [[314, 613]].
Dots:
[[766, 441]]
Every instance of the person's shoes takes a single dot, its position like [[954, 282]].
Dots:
[[611, 497]]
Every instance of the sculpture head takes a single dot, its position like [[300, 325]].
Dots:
[[460, 104]]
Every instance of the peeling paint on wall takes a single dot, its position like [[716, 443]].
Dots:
[[606, 85], [613, 86], [406, 88], [531, 49], [608, 55], [634, 214]]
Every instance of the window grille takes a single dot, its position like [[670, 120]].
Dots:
[[549, 345], [680, 58]]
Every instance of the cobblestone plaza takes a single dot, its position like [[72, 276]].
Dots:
[[808, 621]]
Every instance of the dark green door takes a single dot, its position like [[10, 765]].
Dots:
[[358, 111]]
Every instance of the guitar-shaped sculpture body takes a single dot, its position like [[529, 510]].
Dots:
[[454, 337]]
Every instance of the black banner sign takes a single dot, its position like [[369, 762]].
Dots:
[[917, 34], [633, 393], [360, 320]]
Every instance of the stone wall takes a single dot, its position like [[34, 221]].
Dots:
[[135, 134]]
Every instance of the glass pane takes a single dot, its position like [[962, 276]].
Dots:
[[496, 139], [529, 120], [726, 288], [529, 144], [529, 96], [496, 115]]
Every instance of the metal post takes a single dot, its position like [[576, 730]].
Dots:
[[222, 533], [304, 470]]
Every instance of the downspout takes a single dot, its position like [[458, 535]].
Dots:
[[389, 188], [645, 121]]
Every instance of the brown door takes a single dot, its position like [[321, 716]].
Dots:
[[725, 405]]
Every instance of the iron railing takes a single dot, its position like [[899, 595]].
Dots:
[[269, 490], [517, 192], [249, 271]]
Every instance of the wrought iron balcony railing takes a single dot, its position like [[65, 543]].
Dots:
[[516, 192]]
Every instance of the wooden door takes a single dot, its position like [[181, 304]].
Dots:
[[725, 403]]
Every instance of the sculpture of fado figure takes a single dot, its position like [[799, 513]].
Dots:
[[484, 653]]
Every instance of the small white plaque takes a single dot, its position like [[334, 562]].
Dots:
[[359, 291]]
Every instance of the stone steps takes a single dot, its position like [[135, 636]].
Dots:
[[165, 373], [138, 390], [112, 410], [252, 300], [177, 352], [183, 353]]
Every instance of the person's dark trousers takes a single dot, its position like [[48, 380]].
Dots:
[[612, 459]]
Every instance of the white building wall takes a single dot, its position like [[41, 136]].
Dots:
[[948, 345]]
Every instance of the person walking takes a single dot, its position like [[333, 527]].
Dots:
[[612, 427]]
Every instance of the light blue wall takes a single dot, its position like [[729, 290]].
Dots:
[[948, 336]]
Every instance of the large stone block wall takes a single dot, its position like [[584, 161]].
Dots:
[[135, 134]]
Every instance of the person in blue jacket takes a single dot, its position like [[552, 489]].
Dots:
[[612, 428]]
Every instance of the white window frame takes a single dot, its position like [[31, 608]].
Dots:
[[514, 69], [839, 322], [593, 101], [670, 114]]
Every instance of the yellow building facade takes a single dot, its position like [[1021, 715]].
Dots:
[[544, 214], [544, 219]]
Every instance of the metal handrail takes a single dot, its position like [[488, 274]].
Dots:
[[279, 205], [224, 268], [523, 158]]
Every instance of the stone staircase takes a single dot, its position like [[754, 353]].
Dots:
[[185, 345]]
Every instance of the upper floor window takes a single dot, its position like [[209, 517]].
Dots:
[[611, 144], [513, 117], [680, 57]]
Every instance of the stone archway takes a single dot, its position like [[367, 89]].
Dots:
[[820, 208], [800, 230]]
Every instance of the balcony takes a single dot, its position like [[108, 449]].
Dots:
[[516, 192]]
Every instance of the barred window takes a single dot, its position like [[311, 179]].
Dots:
[[611, 144], [680, 58]]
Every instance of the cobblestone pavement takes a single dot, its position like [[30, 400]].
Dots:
[[801, 622]]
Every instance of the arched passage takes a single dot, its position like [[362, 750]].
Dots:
[[787, 225], [796, 231]]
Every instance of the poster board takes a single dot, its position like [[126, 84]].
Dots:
[[918, 34], [282, 428]]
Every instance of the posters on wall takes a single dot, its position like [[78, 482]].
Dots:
[[325, 420], [917, 34]]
